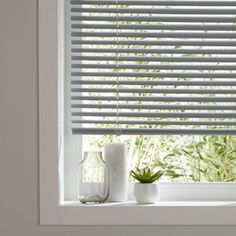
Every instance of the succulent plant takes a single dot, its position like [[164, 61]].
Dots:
[[146, 175]]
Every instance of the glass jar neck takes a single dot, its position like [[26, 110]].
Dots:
[[93, 156]]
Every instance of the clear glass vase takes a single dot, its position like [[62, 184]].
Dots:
[[92, 179]]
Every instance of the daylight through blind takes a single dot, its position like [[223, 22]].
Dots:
[[153, 67]]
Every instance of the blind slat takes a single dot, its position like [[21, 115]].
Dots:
[[175, 43], [156, 67], [155, 91], [155, 3], [155, 59], [157, 75], [192, 27], [148, 122], [155, 51], [158, 114], [154, 99], [155, 35], [228, 19], [155, 82], [128, 131], [157, 107], [198, 11]]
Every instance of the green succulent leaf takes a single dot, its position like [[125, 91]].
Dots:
[[146, 175]]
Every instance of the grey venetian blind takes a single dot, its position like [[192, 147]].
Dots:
[[153, 67]]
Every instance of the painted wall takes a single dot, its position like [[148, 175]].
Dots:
[[19, 137]]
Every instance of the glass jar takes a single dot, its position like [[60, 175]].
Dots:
[[92, 179]]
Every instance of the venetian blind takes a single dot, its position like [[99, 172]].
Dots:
[[153, 67]]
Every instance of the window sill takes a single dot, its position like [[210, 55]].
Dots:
[[157, 204], [131, 213]]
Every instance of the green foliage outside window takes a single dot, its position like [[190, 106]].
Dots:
[[183, 158]]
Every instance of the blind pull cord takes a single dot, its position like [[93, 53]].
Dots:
[[118, 131]]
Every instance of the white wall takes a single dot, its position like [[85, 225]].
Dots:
[[19, 137]]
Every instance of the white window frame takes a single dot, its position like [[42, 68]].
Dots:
[[52, 211]]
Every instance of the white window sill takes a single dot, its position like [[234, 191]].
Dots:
[[157, 204], [131, 213]]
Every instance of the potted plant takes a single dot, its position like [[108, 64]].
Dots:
[[146, 191]]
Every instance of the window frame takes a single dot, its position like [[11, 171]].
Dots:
[[51, 162]]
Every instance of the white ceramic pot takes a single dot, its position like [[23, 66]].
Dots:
[[146, 193]]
